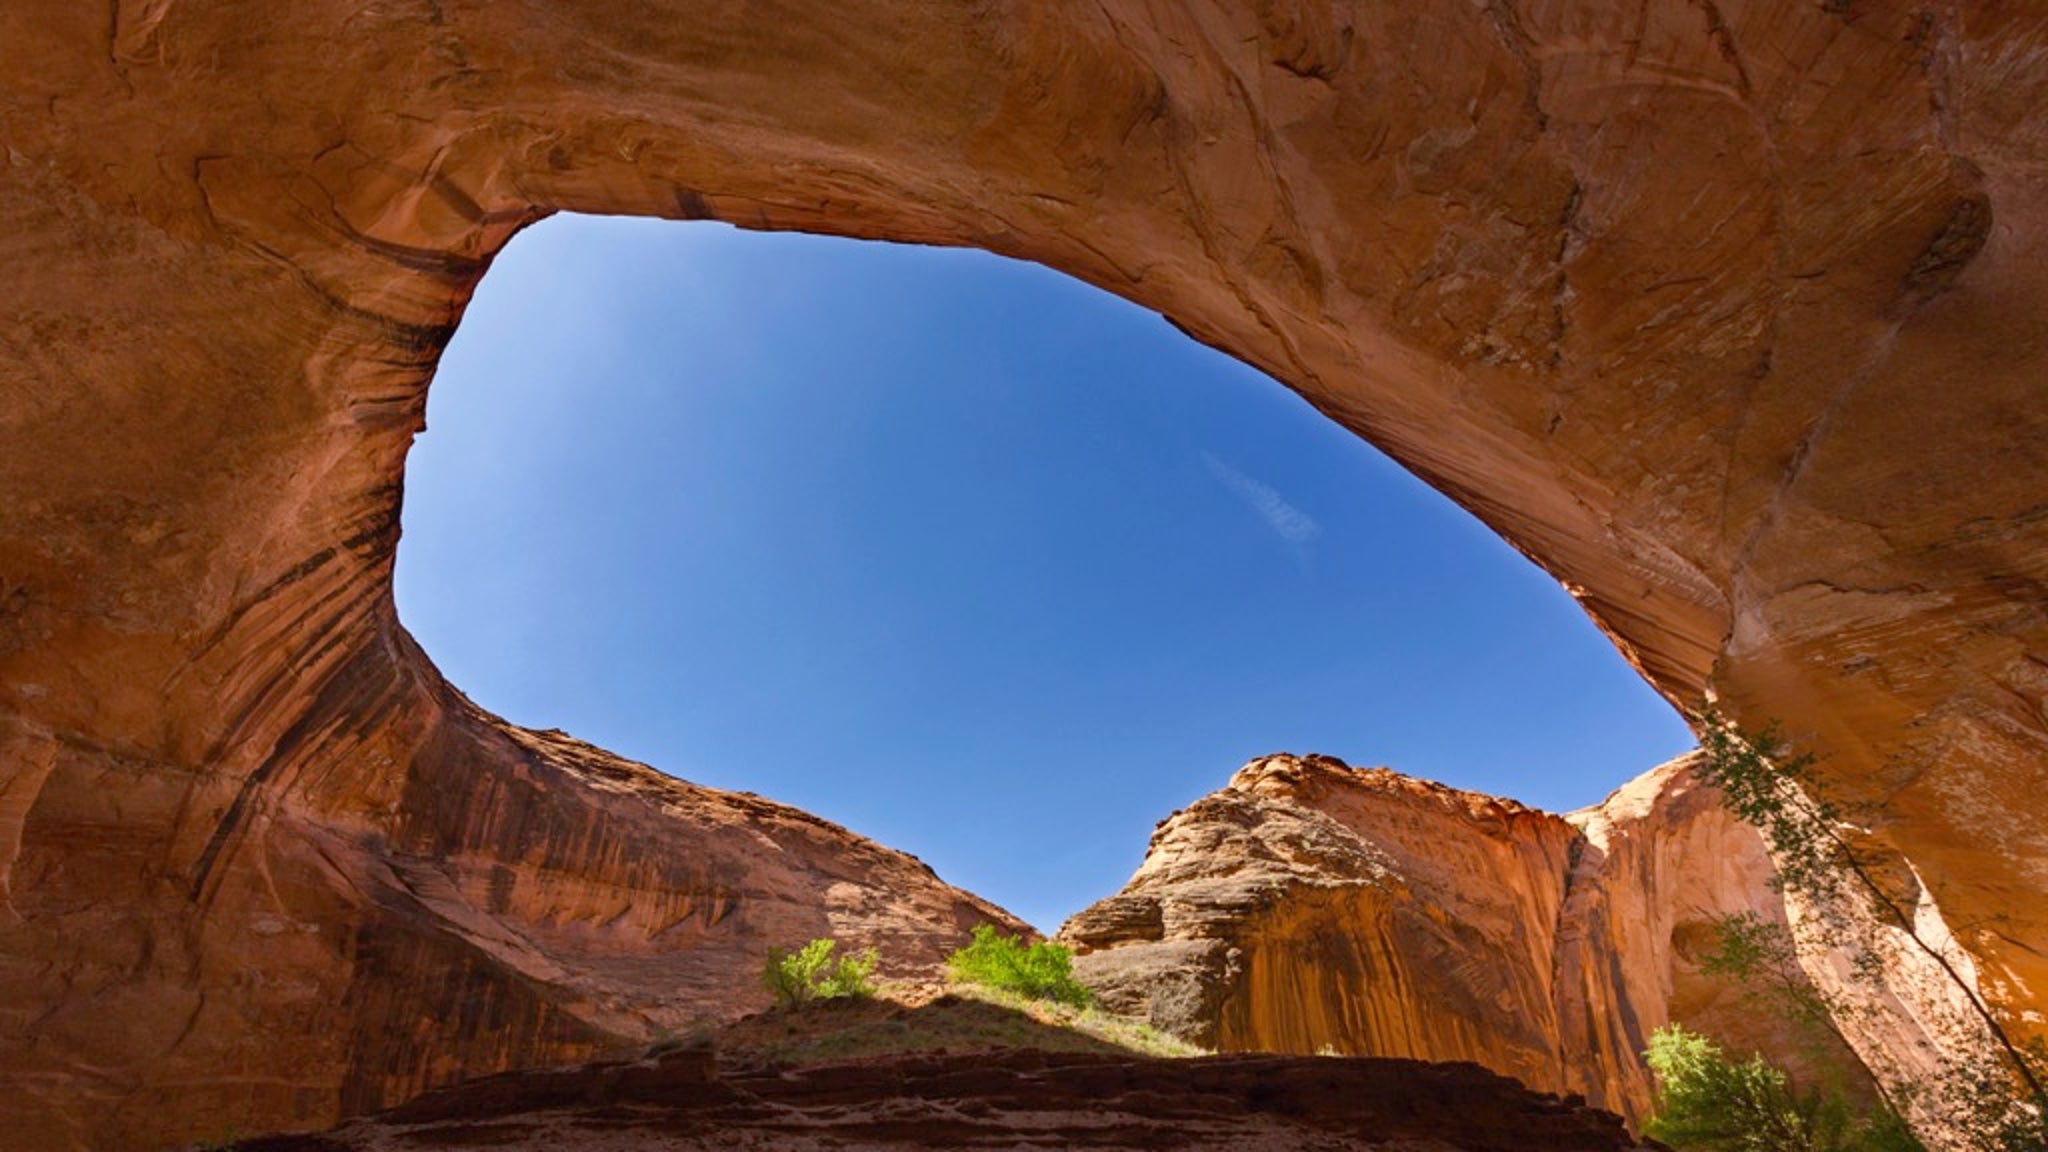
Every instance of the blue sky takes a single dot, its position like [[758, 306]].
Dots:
[[960, 553]]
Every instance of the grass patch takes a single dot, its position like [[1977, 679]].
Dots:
[[963, 1018], [1120, 1032]]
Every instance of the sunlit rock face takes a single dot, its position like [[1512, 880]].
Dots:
[[1309, 906], [1729, 314]]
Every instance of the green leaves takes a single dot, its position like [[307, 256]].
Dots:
[[1043, 971], [1775, 790], [809, 973], [1762, 959], [1993, 1104], [1708, 1103]]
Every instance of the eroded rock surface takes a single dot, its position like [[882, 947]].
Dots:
[[1729, 314], [1310, 906], [1021, 1099], [514, 898]]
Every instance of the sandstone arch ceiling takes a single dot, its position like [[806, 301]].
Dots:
[[1728, 313]]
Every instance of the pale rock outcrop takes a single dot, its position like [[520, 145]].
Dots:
[[1311, 906]]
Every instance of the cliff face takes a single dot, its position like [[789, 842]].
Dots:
[[1364, 912], [1729, 314], [1310, 906], [451, 897]]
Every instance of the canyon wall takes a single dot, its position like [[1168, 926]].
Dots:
[[1310, 907], [1729, 313], [415, 893]]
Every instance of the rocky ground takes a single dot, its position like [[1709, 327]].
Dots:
[[927, 1065], [1015, 1099]]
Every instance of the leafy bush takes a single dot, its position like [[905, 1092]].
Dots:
[[797, 977], [1708, 1103], [1982, 1099], [1042, 971]]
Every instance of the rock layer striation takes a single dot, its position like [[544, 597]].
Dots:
[[514, 897], [1728, 314]]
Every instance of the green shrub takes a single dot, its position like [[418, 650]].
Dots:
[[799, 976], [1042, 971], [1983, 1100], [1706, 1102]]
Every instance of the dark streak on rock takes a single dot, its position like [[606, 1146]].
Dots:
[[342, 694], [1560, 293], [1509, 26], [691, 205], [1961, 237], [1724, 43]]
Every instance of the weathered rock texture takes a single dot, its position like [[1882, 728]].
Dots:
[[1023, 1099], [442, 895], [1728, 312], [1311, 906]]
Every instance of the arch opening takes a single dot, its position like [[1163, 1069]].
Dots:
[[974, 558]]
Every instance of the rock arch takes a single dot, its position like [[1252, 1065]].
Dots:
[[1727, 314]]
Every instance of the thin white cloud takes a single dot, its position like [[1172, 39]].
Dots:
[[1291, 523]]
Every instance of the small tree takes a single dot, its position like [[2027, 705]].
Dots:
[[797, 977], [1995, 1104], [1708, 1103], [1042, 971], [1761, 959]]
